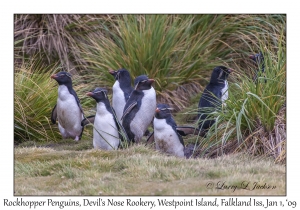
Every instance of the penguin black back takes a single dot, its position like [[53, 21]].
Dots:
[[135, 98], [142, 90], [212, 95]]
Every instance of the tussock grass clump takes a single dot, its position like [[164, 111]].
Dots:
[[172, 49], [33, 102]]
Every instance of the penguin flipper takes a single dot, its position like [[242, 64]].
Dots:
[[210, 98], [150, 139], [54, 115], [186, 130], [87, 120], [128, 109]]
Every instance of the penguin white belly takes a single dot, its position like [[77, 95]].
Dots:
[[225, 93], [166, 139], [105, 132], [118, 100], [144, 115], [68, 113]]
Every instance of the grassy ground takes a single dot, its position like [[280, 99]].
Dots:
[[74, 168]]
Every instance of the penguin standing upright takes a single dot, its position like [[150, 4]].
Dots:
[[68, 110], [121, 90], [258, 58], [166, 134], [214, 95], [139, 109], [106, 129]]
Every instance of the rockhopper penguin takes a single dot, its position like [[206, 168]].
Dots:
[[166, 134], [214, 95], [139, 109], [106, 132], [121, 90], [68, 110]]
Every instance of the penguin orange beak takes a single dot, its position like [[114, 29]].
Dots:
[[252, 56], [90, 94], [54, 76], [151, 81], [157, 110], [230, 70], [112, 72]]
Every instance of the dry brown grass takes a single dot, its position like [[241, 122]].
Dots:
[[269, 143], [180, 98], [54, 37]]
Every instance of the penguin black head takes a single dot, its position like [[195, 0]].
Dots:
[[121, 75], [114, 73], [63, 78], [163, 111], [258, 58], [99, 94], [220, 74], [142, 82]]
